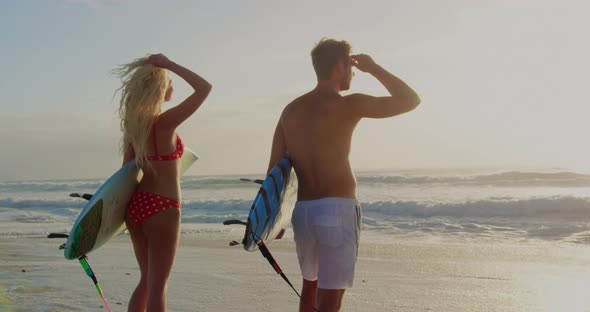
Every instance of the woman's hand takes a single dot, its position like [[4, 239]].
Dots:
[[160, 60]]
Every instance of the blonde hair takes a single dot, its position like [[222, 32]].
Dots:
[[142, 91]]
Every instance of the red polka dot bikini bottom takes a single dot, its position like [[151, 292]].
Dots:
[[144, 205]]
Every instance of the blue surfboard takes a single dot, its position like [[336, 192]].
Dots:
[[273, 205]]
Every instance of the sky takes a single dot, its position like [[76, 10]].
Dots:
[[502, 82]]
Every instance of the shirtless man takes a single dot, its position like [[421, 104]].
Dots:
[[315, 130]]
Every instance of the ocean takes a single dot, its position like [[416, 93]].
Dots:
[[476, 204]]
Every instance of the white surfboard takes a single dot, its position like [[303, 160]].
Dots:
[[103, 217]]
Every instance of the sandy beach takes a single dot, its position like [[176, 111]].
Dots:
[[401, 275], [459, 127]]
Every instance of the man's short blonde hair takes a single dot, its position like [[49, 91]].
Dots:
[[326, 55]]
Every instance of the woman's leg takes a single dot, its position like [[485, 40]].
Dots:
[[162, 231], [138, 300]]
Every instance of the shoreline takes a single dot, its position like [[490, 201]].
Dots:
[[403, 275]]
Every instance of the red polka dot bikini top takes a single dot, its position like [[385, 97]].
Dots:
[[176, 154]]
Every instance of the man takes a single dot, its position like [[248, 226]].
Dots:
[[315, 130]]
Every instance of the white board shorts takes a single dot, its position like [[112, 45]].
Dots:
[[327, 232]]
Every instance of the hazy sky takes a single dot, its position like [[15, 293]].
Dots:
[[502, 82]]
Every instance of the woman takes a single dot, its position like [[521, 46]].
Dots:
[[149, 137]]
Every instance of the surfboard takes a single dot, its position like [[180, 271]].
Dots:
[[103, 216], [273, 205]]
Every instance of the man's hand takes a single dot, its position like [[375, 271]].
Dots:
[[363, 62]]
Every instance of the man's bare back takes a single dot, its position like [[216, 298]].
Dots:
[[316, 129]]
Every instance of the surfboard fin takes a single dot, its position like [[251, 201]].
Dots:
[[57, 235], [280, 235], [80, 195], [234, 221], [258, 181]]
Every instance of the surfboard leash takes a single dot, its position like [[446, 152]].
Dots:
[[266, 253], [84, 262]]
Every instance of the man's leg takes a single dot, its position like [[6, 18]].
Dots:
[[308, 296], [330, 300], [338, 250]]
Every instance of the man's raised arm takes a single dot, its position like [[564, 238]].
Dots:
[[403, 98]]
